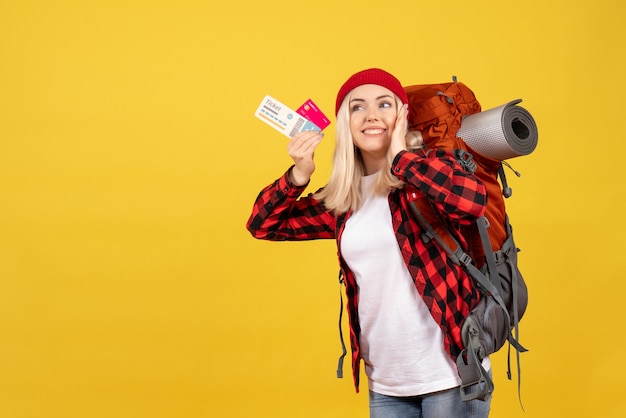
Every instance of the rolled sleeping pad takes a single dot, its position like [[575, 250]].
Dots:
[[500, 133]]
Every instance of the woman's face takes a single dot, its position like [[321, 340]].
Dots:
[[373, 113]]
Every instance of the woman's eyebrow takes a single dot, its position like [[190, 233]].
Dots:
[[385, 96]]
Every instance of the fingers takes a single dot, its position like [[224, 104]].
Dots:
[[402, 118], [400, 130], [304, 143], [398, 142], [301, 149]]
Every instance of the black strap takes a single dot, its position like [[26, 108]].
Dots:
[[468, 363], [514, 339], [430, 233], [482, 224], [506, 190], [459, 257], [344, 351]]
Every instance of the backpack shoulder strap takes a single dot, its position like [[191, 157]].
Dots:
[[482, 224], [432, 227]]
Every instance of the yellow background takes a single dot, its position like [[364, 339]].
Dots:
[[130, 158]]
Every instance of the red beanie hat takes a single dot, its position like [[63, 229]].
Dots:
[[371, 76]]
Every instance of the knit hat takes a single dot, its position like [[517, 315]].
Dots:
[[371, 76]]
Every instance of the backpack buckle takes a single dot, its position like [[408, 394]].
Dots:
[[463, 257], [466, 160], [475, 380], [426, 237]]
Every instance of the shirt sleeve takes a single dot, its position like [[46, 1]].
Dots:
[[457, 194], [279, 214]]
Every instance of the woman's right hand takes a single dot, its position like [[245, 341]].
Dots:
[[301, 149]]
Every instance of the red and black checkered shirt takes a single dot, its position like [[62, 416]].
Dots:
[[280, 214]]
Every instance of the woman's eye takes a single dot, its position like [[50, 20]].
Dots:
[[385, 104], [356, 107]]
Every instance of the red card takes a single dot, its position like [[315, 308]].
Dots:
[[310, 111]]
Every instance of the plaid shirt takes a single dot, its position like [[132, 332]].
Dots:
[[279, 214]]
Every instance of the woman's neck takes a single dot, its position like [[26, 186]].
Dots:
[[373, 165]]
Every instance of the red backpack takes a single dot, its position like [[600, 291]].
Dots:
[[485, 249]]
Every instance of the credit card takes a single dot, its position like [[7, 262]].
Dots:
[[282, 118], [313, 113]]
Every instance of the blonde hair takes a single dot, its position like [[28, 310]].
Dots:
[[343, 191]]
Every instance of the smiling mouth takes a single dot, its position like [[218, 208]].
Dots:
[[377, 131]]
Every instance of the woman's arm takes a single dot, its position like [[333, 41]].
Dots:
[[458, 194], [279, 215]]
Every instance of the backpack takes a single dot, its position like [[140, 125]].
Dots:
[[449, 116]]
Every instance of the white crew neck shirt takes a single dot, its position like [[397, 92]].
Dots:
[[401, 344]]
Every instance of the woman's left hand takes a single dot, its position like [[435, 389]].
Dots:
[[398, 141]]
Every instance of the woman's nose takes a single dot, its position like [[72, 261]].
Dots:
[[372, 114]]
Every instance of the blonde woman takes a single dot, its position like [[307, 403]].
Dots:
[[406, 299]]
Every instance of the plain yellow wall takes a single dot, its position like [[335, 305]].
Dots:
[[130, 158]]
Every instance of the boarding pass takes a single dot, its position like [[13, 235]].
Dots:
[[285, 120]]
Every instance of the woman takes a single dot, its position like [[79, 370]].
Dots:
[[406, 300]]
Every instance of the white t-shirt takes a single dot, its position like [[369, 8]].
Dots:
[[401, 344]]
